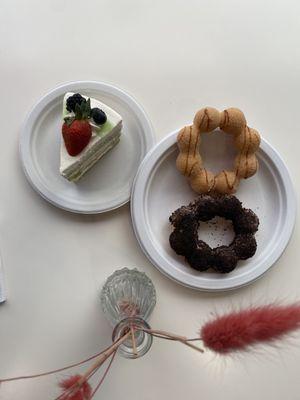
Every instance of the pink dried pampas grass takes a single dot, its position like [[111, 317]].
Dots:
[[237, 331], [229, 333]]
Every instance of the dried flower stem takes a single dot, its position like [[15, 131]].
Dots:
[[55, 370], [178, 338], [104, 375], [134, 349], [198, 339], [164, 333], [94, 368], [103, 357], [169, 338], [192, 346]]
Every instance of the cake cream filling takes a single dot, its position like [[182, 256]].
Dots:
[[81, 167], [104, 138], [96, 156]]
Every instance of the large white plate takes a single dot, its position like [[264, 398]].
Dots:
[[108, 184], [159, 189]]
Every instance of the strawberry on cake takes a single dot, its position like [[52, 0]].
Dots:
[[90, 130]]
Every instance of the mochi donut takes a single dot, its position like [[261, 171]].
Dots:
[[189, 161]]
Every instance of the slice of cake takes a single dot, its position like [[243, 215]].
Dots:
[[90, 130]]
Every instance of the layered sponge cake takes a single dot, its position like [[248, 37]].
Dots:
[[90, 130]]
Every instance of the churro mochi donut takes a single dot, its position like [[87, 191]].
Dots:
[[189, 161]]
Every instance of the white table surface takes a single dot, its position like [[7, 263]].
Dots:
[[174, 57]]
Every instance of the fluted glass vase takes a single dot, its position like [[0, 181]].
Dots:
[[128, 298]]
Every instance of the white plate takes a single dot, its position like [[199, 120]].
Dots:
[[108, 184], [159, 189]]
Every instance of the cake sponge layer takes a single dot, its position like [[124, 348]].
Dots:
[[76, 173]]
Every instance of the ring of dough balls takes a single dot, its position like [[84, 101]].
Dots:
[[189, 161]]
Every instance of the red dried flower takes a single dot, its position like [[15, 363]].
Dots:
[[238, 330], [82, 392]]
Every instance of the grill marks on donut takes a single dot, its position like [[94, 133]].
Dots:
[[181, 134], [188, 152], [196, 144], [248, 143], [207, 119], [227, 180], [206, 177], [247, 151], [226, 117], [242, 151]]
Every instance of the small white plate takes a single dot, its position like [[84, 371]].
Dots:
[[108, 184], [159, 189]]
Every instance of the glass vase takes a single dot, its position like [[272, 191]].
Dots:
[[128, 298]]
